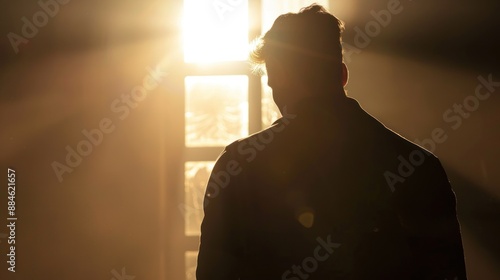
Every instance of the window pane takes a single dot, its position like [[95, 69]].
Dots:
[[271, 9], [270, 111], [196, 174], [190, 259], [215, 30], [216, 110]]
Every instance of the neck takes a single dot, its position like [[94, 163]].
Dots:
[[316, 97]]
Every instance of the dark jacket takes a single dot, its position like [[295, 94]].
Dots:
[[329, 193]]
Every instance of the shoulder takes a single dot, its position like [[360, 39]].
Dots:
[[393, 143], [246, 149]]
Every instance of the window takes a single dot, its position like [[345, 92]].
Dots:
[[215, 31], [223, 101], [216, 110]]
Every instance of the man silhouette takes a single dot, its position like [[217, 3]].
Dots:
[[320, 194]]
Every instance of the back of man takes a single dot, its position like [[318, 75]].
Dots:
[[328, 192], [317, 181]]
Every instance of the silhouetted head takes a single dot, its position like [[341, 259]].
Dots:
[[302, 53]]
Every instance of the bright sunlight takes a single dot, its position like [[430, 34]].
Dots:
[[215, 31]]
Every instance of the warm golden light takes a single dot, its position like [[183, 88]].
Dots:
[[271, 9], [216, 110], [215, 31]]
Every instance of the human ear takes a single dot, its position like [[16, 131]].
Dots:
[[276, 74], [345, 74]]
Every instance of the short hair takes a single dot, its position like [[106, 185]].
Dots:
[[308, 43]]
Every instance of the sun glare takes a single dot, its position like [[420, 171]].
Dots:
[[215, 31]]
